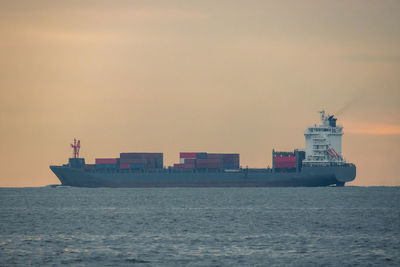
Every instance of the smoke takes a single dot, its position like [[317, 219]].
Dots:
[[349, 104]]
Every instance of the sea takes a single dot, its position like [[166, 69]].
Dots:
[[326, 226]]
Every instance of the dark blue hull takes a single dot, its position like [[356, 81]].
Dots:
[[309, 176]]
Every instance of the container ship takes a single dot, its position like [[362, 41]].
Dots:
[[319, 164]]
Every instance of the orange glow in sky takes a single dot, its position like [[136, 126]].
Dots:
[[373, 129], [218, 76]]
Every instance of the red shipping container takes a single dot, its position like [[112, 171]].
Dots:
[[106, 161], [285, 159], [188, 155], [285, 167], [178, 166], [285, 162], [124, 166]]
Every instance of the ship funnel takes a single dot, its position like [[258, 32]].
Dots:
[[332, 121]]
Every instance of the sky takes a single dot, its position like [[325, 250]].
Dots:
[[217, 76]]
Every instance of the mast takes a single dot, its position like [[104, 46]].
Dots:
[[76, 146]]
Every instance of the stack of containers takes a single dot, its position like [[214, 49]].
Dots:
[[106, 163], [229, 161], [191, 155], [202, 160], [209, 164], [285, 162], [141, 161], [188, 159]]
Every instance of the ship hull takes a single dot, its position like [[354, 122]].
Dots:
[[308, 177]]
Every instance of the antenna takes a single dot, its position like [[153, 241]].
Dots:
[[322, 112], [76, 146]]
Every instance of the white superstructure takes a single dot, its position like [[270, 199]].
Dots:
[[324, 143]]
